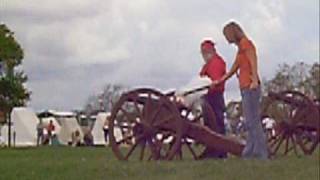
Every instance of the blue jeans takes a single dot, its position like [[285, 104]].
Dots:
[[256, 146], [217, 104]]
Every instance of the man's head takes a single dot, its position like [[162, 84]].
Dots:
[[233, 32], [207, 50]]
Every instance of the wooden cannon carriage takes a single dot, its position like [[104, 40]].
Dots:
[[297, 123], [146, 124]]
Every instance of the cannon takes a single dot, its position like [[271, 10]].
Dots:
[[297, 123], [146, 124]]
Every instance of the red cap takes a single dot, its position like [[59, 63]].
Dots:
[[207, 44]]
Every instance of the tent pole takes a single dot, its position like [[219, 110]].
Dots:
[[9, 129]]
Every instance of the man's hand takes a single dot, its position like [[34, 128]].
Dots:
[[215, 82], [254, 84], [219, 81]]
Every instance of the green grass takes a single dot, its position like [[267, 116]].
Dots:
[[100, 163]]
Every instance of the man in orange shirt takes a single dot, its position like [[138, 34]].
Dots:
[[246, 63], [214, 68]]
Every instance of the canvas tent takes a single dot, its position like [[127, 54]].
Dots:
[[24, 123], [118, 133], [68, 126], [97, 130], [4, 135]]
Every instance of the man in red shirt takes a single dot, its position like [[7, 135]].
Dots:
[[214, 68], [50, 128]]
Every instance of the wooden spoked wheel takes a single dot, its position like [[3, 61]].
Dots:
[[291, 112], [145, 125], [309, 134], [190, 147]]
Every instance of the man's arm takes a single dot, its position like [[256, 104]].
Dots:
[[232, 71], [203, 71]]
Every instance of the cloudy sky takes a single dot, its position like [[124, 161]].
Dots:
[[74, 47]]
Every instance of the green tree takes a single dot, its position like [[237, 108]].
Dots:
[[313, 80], [299, 76], [12, 90]]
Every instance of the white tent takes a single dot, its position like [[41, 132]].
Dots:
[[24, 126], [68, 126], [4, 135], [97, 130], [117, 133]]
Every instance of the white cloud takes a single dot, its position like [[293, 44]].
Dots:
[[148, 42]]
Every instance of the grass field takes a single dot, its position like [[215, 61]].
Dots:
[[100, 163]]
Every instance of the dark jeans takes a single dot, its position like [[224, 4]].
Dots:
[[106, 133], [39, 137], [217, 104]]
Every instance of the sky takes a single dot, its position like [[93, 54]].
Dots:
[[73, 48]]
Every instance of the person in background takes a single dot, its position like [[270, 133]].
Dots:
[[40, 136], [105, 129], [76, 139], [51, 129], [54, 139], [46, 138], [88, 138]]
